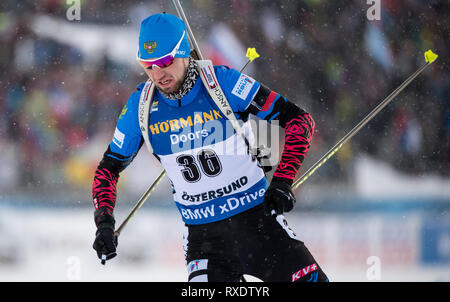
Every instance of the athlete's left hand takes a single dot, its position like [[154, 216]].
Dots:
[[278, 198]]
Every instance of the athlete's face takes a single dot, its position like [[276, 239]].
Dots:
[[169, 79]]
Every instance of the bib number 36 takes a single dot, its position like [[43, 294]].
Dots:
[[206, 162]]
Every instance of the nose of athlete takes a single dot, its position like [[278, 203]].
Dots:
[[158, 73]]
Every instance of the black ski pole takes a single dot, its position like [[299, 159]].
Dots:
[[430, 57]]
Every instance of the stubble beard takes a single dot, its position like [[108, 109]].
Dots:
[[175, 88]]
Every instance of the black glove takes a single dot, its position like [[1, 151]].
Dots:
[[105, 241], [278, 197]]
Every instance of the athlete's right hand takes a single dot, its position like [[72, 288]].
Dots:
[[105, 241]]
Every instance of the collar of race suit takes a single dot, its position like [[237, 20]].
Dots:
[[189, 81]]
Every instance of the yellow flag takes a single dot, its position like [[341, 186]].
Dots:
[[430, 57], [252, 54]]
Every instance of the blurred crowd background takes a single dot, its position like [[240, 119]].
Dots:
[[63, 84], [326, 56]]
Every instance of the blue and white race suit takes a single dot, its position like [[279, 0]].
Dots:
[[207, 162]]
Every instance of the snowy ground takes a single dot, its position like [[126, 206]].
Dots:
[[56, 245]]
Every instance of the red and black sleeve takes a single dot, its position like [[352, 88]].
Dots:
[[104, 186], [298, 125]]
